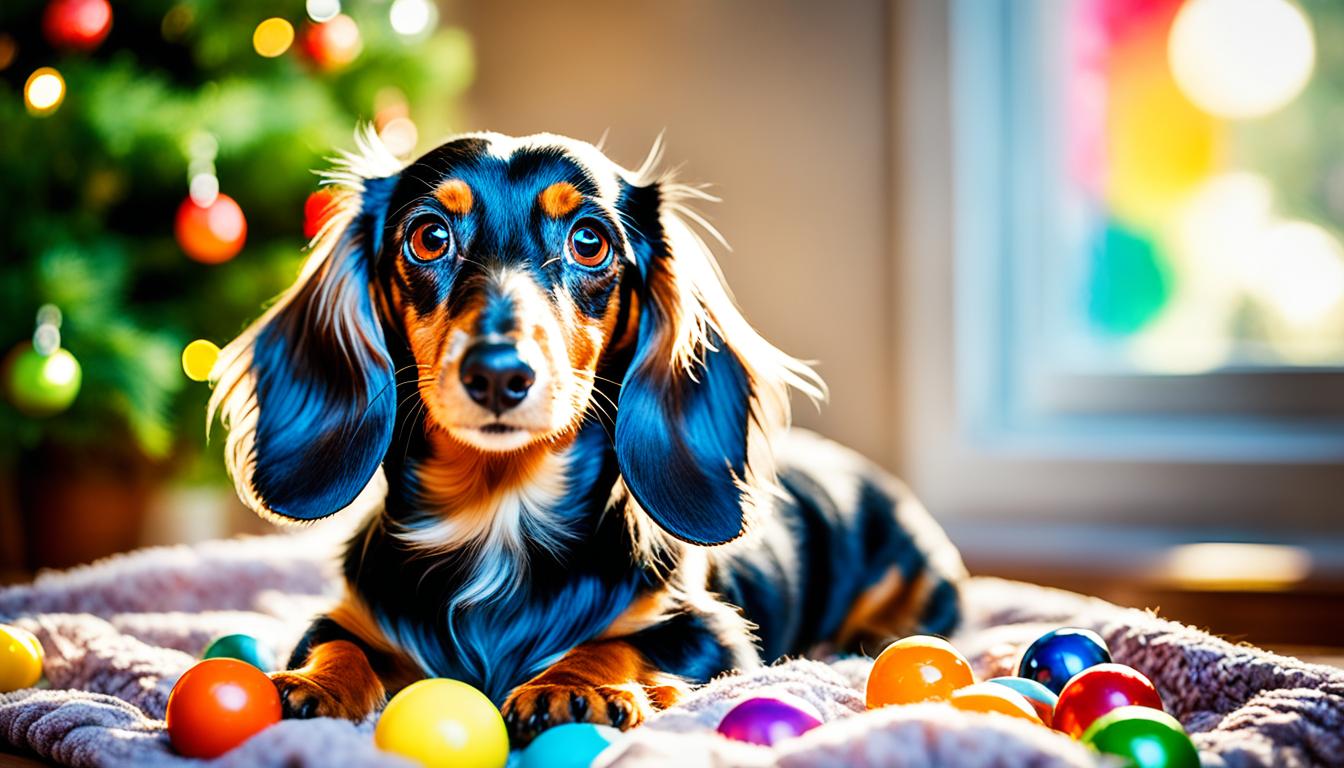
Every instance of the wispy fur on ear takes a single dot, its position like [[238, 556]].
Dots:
[[704, 392], [307, 391]]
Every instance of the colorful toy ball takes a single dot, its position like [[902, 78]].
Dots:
[[20, 659], [768, 720], [571, 745], [243, 648], [988, 697], [440, 723], [1040, 698], [917, 668], [1057, 656], [219, 704], [1098, 690], [1144, 737]]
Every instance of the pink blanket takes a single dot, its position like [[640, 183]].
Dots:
[[118, 633]]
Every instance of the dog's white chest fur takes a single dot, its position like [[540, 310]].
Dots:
[[492, 525]]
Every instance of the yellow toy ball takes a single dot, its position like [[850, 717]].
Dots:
[[440, 723], [20, 659], [198, 358]]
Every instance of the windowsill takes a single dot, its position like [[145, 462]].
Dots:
[[1289, 593]]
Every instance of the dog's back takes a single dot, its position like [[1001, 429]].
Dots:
[[848, 559]]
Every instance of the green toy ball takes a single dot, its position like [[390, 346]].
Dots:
[[1146, 737], [42, 385], [243, 648]]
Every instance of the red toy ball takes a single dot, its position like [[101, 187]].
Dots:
[[1098, 690], [217, 705]]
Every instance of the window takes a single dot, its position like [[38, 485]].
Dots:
[[1148, 218]]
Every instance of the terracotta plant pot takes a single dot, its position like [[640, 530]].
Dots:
[[79, 503]]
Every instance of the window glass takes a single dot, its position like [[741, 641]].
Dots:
[[1202, 180]]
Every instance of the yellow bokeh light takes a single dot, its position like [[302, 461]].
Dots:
[[44, 91], [1229, 566], [198, 358], [273, 37], [1240, 59], [1160, 147]]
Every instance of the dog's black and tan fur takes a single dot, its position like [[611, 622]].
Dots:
[[591, 499]]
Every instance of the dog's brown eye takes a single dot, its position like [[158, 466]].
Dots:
[[430, 240], [588, 247]]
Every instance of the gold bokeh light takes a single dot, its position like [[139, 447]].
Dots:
[[273, 37], [44, 91]]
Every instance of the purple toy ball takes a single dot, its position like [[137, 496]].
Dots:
[[767, 720]]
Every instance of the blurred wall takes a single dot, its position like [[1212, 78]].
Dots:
[[783, 106]]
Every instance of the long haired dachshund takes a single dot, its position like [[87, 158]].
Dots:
[[591, 501]]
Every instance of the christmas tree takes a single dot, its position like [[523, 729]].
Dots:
[[157, 158]]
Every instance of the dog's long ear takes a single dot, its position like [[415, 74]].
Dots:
[[704, 391], [307, 392]]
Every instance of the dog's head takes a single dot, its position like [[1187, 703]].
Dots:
[[512, 270]]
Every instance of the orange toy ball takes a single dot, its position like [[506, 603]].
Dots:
[[212, 233], [219, 704], [991, 697], [917, 668]]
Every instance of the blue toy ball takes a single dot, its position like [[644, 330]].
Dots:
[[572, 745], [1059, 655]]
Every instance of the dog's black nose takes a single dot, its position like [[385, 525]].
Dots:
[[495, 376]]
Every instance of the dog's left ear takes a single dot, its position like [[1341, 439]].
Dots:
[[307, 392], [703, 391]]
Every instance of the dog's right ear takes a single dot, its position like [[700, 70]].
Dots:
[[308, 392]]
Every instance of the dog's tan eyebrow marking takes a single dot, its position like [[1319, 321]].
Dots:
[[559, 199], [455, 196]]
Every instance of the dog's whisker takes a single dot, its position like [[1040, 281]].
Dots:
[[593, 375]]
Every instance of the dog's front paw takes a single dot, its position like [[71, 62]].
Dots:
[[302, 697], [531, 709]]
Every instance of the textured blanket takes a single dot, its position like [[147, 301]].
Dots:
[[118, 633]]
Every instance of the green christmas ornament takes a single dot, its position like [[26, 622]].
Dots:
[[42, 385], [1145, 737], [242, 647]]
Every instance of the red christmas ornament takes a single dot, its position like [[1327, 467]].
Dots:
[[316, 210], [76, 24], [212, 233], [1098, 690], [332, 44]]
